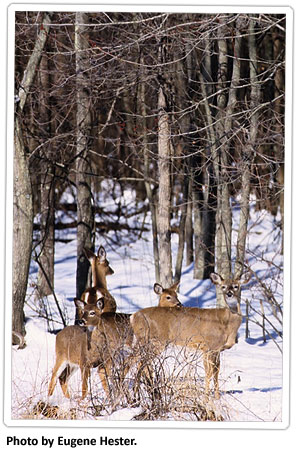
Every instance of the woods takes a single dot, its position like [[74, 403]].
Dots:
[[185, 110]]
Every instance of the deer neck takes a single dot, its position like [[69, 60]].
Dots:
[[234, 305], [98, 278]]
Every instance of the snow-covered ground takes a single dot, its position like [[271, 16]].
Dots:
[[251, 375]]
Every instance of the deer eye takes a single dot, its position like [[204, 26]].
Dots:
[[224, 287], [168, 297], [235, 286], [92, 313]]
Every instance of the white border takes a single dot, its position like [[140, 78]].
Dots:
[[288, 160]]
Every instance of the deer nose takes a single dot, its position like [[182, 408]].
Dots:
[[230, 293], [81, 322]]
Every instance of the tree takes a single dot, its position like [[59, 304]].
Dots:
[[45, 257], [23, 204], [85, 218], [164, 196], [248, 153]]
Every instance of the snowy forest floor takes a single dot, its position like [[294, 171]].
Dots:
[[251, 375]]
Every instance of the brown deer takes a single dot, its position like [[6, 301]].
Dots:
[[100, 270], [73, 346], [167, 296], [96, 340], [209, 330]]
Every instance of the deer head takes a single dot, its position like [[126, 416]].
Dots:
[[89, 313], [100, 266], [231, 288], [167, 297]]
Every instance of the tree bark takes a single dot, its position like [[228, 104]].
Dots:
[[146, 170], [182, 229], [226, 107], [45, 285], [22, 229], [223, 266], [248, 153], [85, 217], [22, 197], [189, 229], [279, 83], [163, 219]]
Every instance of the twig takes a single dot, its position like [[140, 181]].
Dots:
[[51, 288]]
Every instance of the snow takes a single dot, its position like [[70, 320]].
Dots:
[[251, 375]]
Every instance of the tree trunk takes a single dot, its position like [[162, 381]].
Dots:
[[45, 284], [189, 229], [223, 219], [23, 203], [224, 126], [279, 83], [22, 229], [85, 218], [205, 203], [248, 153], [163, 218], [182, 229], [146, 170], [199, 250]]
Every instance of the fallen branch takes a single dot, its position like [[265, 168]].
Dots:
[[101, 226]]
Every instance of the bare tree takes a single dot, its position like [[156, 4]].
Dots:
[[45, 259], [164, 199], [23, 205], [248, 153], [85, 217], [146, 166]]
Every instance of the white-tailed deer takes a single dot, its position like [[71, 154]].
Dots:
[[100, 270], [90, 344], [167, 296], [73, 346], [209, 330], [96, 341]]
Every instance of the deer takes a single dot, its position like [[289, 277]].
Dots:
[[96, 339], [73, 346], [208, 330], [100, 270], [167, 296]]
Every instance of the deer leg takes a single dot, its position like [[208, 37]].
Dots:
[[103, 373], [64, 377], [208, 371], [52, 385], [212, 369], [85, 374], [137, 378], [216, 370]]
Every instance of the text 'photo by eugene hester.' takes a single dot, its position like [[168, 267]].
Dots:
[[69, 442]]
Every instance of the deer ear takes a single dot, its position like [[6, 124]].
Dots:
[[216, 278], [245, 278], [79, 303], [101, 254], [100, 303], [158, 288], [89, 254], [99, 294], [175, 286]]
